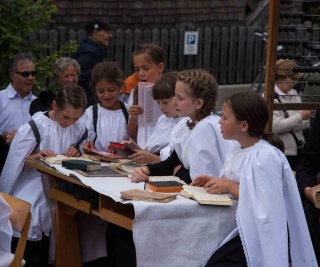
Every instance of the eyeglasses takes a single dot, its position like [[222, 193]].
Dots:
[[26, 74]]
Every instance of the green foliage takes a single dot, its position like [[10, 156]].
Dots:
[[19, 20]]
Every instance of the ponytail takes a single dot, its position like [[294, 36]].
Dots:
[[274, 140]]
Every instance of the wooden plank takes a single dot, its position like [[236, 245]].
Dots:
[[297, 106], [173, 50], [240, 55], [164, 43], [207, 49], [53, 41], [249, 55], [181, 56], [128, 49], [222, 79], [232, 54], [119, 48], [215, 69], [198, 60]]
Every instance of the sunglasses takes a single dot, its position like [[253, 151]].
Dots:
[[26, 74]]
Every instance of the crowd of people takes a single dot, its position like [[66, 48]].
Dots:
[[277, 221]]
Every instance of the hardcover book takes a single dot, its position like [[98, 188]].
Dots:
[[123, 150], [203, 197], [104, 156], [58, 159], [84, 165], [164, 184], [136, 194], [105, 171]]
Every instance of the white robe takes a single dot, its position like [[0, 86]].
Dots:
[[25, 182], [160, 138], [111, 126], [269, 204], [5, 226], [205, 150]]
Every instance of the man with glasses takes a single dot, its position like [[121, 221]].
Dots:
[[15, 100]]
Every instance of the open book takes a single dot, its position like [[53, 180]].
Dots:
[[99, 155], [58, 159], [165, 184], [136, 194], [203, 197], [126, 167]]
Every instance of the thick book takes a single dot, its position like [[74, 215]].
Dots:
[[123, 150], [83, 165], [203, 197], [99, 155], [127, 167], [164, 184], [105, 171], [137, 194]]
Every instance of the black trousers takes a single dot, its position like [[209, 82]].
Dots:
[[231, 254]]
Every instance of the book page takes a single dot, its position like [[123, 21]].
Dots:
[[151, 110], [58, 159], [165, 179]]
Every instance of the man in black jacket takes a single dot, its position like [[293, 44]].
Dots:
[[306, 175], [91, 51]]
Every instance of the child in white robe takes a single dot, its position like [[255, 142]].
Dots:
[[148, 63], [269, 216], [157, 147], [6, 230], [59, 132], [111, 121], [204, 149]]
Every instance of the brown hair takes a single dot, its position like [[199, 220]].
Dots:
[[71, 94], [202, 86], [155, 55], [108, 71], [252, 108], [164, 88]]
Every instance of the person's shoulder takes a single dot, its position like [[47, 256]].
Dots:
[[211, 121]]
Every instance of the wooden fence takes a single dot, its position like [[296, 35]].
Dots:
[[232, 54]]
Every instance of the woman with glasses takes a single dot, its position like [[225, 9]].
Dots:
[[289, 124]]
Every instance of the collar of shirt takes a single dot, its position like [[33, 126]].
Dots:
[[12, 93]]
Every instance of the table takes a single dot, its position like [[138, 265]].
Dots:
[[179, 233]]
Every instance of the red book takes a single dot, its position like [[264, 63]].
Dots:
[[123, 150]]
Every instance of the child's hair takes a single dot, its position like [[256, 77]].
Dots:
[[164, 88], [71, 94], [154, 54], [252, 108], [202, 85], [284, 69], [61, 64], [108, 71]]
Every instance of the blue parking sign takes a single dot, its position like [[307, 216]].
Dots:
[[191, 43]]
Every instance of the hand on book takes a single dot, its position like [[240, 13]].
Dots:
[[72, 152], [42, 154], [140, 175], [88, 146], [310, 193], [144, 157], [135, 110]]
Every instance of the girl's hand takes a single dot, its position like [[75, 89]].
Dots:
[[140, 175], [144, 157], [201, 180], [42, 154], [131, 144], [88, 145], [222, 186], [10, 136], [135, 110], [72, 152]]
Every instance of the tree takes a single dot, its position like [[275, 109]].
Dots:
[[19, 19]]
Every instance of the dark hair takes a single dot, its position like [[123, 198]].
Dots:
[[252, 108], [96, 24], [71, 94], [24, 56], [154, 53], [164, 88], [203, 86], [108, 71]]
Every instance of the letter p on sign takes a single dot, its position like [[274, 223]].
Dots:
[[191, 43]]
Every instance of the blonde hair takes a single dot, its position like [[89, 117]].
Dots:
[[284, 69]]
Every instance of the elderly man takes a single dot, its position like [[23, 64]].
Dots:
[[15, 100]]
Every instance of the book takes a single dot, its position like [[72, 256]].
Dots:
[[99, 155], [84, 165], [137, 194], [164, 184], [105, 171], [123, 150], [127, 167], [151, 110], [58, 159], [203, 197]]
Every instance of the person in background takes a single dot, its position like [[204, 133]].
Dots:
[[65, 70], [204, 150], [129, 84], [258, 175], [59, 131], [157, 147], [308, 183], [15, 100], [148, 62], [289, 124], [91, 51]]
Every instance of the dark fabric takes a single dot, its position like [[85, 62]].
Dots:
[[120, 247], [36, 252], [293, 161], [167, 166], [42, 103], [88, 54], [101, 262], [231, 254], [4, 150], [306, 173]]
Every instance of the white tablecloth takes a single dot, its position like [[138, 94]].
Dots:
[[178, 233]]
